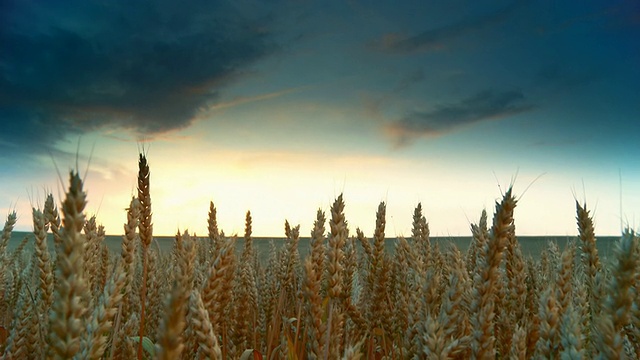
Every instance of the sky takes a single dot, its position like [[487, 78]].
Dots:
[[277, 107]]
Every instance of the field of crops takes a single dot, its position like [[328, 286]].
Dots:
[[346, 297]]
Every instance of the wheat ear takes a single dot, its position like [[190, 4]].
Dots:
[[486, 278], [212, 227], [208, 347], [170, 342], [45, 272], [337, 241], [25, 342], [68, 308], [146, 234], [590, 257], [6, 231], [617, 308], [314, 267], [128, 252], [103, 315]]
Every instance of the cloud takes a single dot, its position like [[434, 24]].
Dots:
[[145, 67], [440, 37], [241, 100], [486, 105], [373, 105]]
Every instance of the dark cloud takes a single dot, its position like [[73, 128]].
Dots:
[[444, 119], [437, 38], [148, 67]]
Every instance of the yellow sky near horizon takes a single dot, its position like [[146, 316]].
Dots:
[[279, 185]]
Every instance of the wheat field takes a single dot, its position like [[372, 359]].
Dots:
[[347, 298]]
